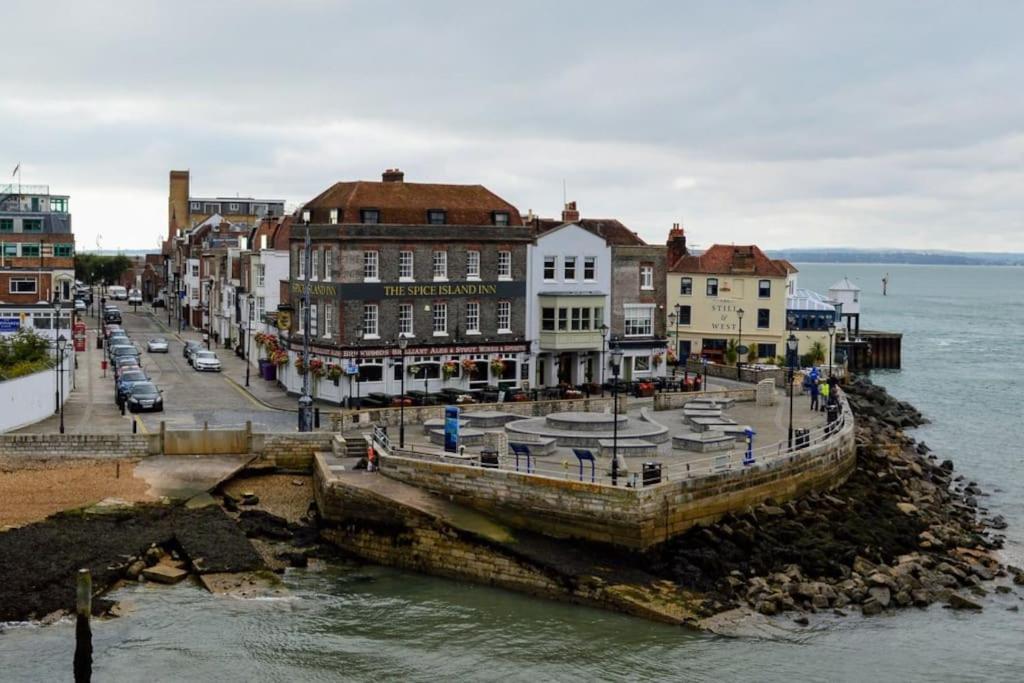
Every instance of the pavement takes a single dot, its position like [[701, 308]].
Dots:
[[191, 399]]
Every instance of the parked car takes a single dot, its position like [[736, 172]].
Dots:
[[135, 298], [80, 306], [117, 292], [128, 378], [112, 316], [144, 396], [123, 364], [205, 361], [158, 301], [189, 348], [157, 345], [111, 329], [123, 350]]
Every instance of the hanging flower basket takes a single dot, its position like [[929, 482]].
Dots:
[[279, 357], [333, 372], [469, 366], [657, 359], [497, 366], [415, 370], [300, 366], [317, 368], [672, 357], [449, 369]]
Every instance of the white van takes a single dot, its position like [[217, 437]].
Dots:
[[117, 293]]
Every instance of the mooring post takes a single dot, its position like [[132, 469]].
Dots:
[[83, 632]]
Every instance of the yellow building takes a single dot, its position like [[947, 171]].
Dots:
[[727, 293]]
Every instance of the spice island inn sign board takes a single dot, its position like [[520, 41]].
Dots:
[[376, 291]]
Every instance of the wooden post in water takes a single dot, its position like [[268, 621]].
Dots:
[[83, 632]]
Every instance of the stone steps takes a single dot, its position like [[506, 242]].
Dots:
[[703, 442]]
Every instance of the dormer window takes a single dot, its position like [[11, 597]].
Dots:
[[501, 217], [437, 217], [369, 216]]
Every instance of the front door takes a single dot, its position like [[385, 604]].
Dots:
[[565, 368], [542, 367]]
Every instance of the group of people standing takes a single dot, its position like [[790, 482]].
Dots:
[[823, 390]]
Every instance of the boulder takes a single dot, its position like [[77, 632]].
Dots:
[[164, 573], [880, 594], [870, 608], [921, 598], [957, 601], [135, 569], [908, 508]]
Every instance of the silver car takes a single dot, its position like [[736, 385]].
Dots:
[[206, 361], [157, 345]]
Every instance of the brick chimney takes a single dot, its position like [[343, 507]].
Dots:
[[393, 175], [569, 213], [676, 244]]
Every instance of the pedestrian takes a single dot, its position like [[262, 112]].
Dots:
[[825, 393], [815, 391]]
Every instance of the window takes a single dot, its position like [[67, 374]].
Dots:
[[369, 216], [437, 217], [683, 315], [261, 307], [30, 250], [646, 277], [472, 317], [301, 265], [764, 289], [639, 320], [258, 209], [440, 265], [405, 320], [195, 270], [6, 225], [328, 320], [334, 216], [233, 208], [504, 265], [764, 317], [328, 263], [563, 319], [370, 320], [585, 319], [547, 319], [549, 268], [63, 250], [32, 225], [196, 206], [766, 351], [371, 266], [371, 370], [314, 320], [589, 268], [501, 217], [686, 286], [261, 274], [440, 318], [405, 265], [504, 316], [473, 265], [712, 286], [569, 268], [213, 207], [314, 265], [22, 286], [11, 249], [642, 363]]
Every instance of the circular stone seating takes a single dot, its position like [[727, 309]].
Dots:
[[467, 437], [584, 422], [585, 430]]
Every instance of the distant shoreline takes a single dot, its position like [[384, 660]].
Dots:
[[898, 257]]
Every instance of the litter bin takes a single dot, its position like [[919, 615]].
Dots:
[[489, 458], [833, 416], [801, 438], [651, 473]]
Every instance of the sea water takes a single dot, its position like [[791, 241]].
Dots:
[[963, 361]]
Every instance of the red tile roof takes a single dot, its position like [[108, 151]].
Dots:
[[402, 203], [728, 259], [612, 230], [278, 230]]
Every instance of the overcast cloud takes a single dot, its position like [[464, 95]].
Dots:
[[780, 123]]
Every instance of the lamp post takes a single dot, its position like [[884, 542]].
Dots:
[[831, 333], [56, 333], [62, 344], [739, 344], [208, 286], [403, 342], [306, 401], [248, 338], [791, 344], [673, 319], [604, 341], [359, 369], [616, 364]]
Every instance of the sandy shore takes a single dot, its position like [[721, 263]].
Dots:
[[31, 490]]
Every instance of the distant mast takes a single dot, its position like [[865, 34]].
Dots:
[[885, 284]]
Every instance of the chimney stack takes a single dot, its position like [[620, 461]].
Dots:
[[676, 244], [393, 175], [569, 213]]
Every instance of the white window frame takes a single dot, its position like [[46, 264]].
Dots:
[[504, 265], [233, 208], [440, 266], [472, 317], [405, 320], [553, 260], [314, 265], [261, 305], [261, 275], [371, 266], [328, 263], [568, 263], [472, 264], [334, 216], [591, 263], [504, 315], [406, 266], [647, 278], [34, 281], [439, 314], [371, 321], [328, 321], [630, 319], [314, 320], [301, 268]]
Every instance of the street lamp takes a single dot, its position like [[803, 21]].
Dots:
[[56, 333], [604, 340], [831, 333], [739, 344], [403, 342], [791, 344], [673, 319], [248, 338], [306, 401], [359, 367], [616, 363], [62, 344], [208, 286]]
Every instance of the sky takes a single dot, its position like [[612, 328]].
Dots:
[[784, 124]]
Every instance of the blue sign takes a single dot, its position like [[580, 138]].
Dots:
[[10, 324], [351, 368], [748, 455], [451, 429]]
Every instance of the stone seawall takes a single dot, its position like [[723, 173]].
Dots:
[[79, 445], [290, 451]]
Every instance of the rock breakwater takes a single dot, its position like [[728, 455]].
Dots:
[[902, 531]]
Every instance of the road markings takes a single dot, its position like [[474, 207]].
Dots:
[[243, 392], [142, 425]]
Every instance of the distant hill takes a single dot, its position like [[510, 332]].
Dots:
[[118, 252], [898, 256]]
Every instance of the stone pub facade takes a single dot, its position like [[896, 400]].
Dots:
[[442, 265]]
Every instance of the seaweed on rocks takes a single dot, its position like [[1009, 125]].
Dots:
[[896, 533]]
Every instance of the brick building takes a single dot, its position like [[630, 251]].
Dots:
[[37, 247], [443, 265]]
